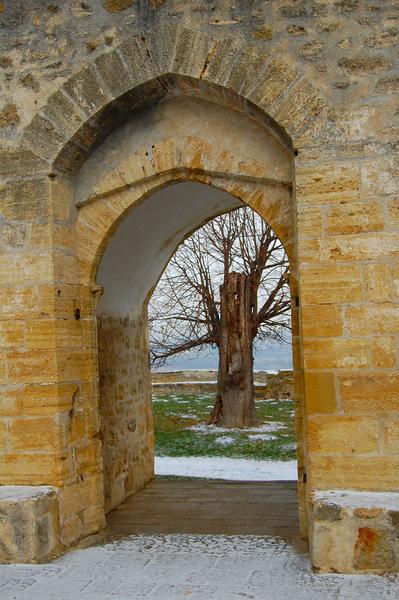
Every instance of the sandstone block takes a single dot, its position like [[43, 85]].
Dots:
[[113, 72], [135, 57], [384, 351], [342, 435], [312, 50], [393, 212], [14, 235], [372, 318], [369, 392], [24, 267], [65, 267], [33, 468], [33, 366], [70, 530], [378, 282], [242, 80], [26, 201], [42, 137], [117, 6], [339, 353], [63, 113], [18, 303], [391, 435], [320, 392], [322, 320], [383, 39], [361, 63], [309, 221], [12, 334], [298, 108], [29, 524], [3, 366], [160, 43], [21, 162], [93, 520], [192, 49], [37, 433], [98, 216], [329, 284], [373, 473], [81, 495], [53, 333], [37, 399], [274, 82], [221, 60], [387, 85], [86, 90], [355, 217], [357, 247], [4, 435], [332, 183], [379, 177]]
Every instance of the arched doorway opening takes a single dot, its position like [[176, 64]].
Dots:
[[130, 267], [185, 144]]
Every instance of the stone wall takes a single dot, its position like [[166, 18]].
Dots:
[[278, 385], [320, 80], [125, 407], [344, 46]]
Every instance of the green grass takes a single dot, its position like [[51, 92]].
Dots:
[[175, 415]]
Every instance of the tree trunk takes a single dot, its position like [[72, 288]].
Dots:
[[234, 405]]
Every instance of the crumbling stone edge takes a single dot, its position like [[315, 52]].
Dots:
[[29, 524], [354, 532]]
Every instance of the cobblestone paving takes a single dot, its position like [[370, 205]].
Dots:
[[187, 567]]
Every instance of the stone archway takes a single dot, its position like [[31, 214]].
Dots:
[[344, 341], [168, 143]]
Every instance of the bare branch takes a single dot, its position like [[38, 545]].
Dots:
[[184, 312]]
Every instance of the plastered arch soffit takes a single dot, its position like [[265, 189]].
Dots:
[[228, 152], [99, 218]]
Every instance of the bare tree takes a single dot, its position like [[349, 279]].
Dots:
[[225, 286]]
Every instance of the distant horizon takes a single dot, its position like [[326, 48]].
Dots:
[[269, 357]]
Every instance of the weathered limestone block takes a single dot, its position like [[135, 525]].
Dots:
[[28, 524], [355, 532]]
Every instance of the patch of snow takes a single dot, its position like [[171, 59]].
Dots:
[[23, 492], [217, 467], [182, 416], [354, 499], [261, 437], [196, 382], [289, 447], [225, 440], [188, 382], [265, 428], [268, 400]]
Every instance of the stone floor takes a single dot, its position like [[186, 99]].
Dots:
[[164, 545]]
